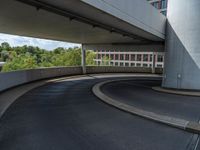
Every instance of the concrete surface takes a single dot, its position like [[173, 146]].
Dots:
[[100, 88], [66, 115], [12, 79], [94, 22], [175, 91], [139, 93], [182, 58]]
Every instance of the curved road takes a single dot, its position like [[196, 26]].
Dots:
[[67, 116]]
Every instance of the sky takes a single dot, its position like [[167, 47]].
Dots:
[[15, 40]]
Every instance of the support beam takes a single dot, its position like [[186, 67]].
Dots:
[[83, 57], [159, 47], [182, 57]]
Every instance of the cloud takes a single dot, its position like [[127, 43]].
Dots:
[[15, 40]]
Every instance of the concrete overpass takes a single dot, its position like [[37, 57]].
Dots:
[[84, 21], [111, 24]]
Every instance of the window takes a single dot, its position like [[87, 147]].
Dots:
[[121, 64], [139, 57], [126, 64], [163, 4], [159, 66], [138, 65], [145, 57], [132, 57], [132, 64], [111, 56], [145, 65], [116, 57], [99, 56], [121, 57], [127, 56], [151, 57], [160, 58]]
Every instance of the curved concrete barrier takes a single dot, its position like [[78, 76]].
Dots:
[[12, 79], [186, 125]]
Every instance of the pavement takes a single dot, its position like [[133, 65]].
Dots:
[[139, 93], [66, 115]]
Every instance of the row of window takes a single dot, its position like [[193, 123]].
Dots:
[[126, 64], [131, 57]]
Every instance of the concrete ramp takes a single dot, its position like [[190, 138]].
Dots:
[[84, 21]]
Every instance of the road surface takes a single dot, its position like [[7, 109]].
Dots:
[[67, 116]]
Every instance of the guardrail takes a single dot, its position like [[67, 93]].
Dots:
[[12, 79]]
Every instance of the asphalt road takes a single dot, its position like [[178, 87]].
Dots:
[[67, 116], [139, 93]]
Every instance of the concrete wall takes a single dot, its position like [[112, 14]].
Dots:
[[109, 69], [135, 12], [182, 57], [12, 79]]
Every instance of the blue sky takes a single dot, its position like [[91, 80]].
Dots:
[[14, 40]]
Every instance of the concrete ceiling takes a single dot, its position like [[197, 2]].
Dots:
[[69, 20]]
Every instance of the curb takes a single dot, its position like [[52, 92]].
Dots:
[[177, 92], [182, 124]]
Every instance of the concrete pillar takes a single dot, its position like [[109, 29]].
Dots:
[[182, 58], [83, 62], [153, 63]]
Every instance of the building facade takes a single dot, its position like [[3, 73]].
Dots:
[[130, 59], [161, 5]]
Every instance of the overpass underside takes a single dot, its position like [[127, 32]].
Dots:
[[84, 21]]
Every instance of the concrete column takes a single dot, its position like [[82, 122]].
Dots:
[[83, 62], [182, 59], [153, 63]]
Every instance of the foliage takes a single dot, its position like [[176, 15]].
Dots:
[[90, 56], [29, 57], [105, 61]]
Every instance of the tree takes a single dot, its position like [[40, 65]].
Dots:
[[5, 46], [105, 61], [29, 57], [90, 56], [20, 62]]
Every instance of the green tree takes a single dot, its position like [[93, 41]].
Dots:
[[105, 61], [20, 62], [90, 56]]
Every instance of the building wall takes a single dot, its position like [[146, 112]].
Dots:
[[130, 59]]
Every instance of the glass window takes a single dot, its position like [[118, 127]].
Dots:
[[160, 58], [127, 56], [138, 65], [126, 64], [145, 65], [111, 56], [121, 57], [139, 57], [132, 57], [116, 57], [145, 57], [133, 64]]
